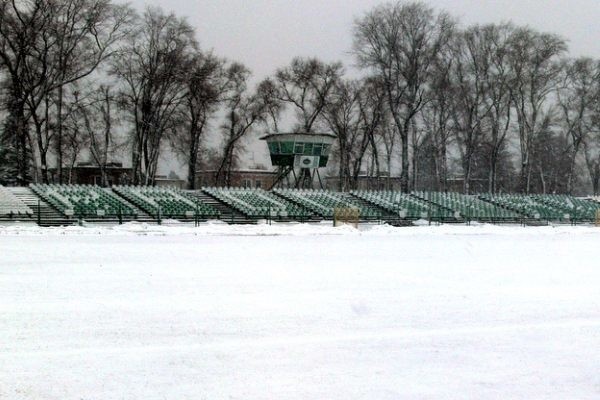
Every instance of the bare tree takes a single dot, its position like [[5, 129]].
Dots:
[[206, 83], [22, 27], [94, 118], [42, 121], [576, 100], [592, 162], [306, 85], [591, 141], [399, 42], [549, 161], [45, 45], [85, 33], [267, 91], [342, 117], [152, 67], [388, 135], [373, 119], [472, 72], [355, 114], [73, 146], [242, 112], [533, 58], [498, 96], [436, 116]]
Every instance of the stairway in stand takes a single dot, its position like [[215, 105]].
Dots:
[[228, 214], [386, 215], [48, 215], [142, 216]]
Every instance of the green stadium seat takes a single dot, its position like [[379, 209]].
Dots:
[[83, 200], [166, 202], [258, 203]]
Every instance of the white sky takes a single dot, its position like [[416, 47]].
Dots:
[[267, 34]]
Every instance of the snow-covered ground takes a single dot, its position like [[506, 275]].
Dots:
[[299, 312]]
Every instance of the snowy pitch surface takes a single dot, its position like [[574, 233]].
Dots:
[[300, 312]]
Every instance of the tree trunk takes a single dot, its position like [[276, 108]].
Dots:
[[136, 159], [59, 135], [596, 179], [191, 179], [571, 171], [493, 174], [415, 169], [404, 177], [195, 133], [443, 169], [42, 150], [542, 179], [15, 132], [524, 177], [342, 168], [192, 160], [221, 174], [467, 175]]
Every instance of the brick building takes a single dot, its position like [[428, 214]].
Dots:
[[89, 174], [247, 178]]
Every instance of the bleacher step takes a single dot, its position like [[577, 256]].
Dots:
[[228, 214], [42, 211]]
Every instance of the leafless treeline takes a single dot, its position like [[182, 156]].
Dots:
[[500, 107]]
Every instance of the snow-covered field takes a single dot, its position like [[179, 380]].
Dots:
[[299, 312]]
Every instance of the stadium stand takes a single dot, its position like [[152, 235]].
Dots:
[[595, 200], [83, 201], [325, 202], [52, 205], [258, 203], [467, 207], [43, 213], [572, 208], [11, 206], [226, 213], [404, 205], [166, 202], [525, 205]]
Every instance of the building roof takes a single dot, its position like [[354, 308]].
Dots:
[[241, 171], [298, 134]]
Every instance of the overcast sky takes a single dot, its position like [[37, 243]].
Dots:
[[267, 34]]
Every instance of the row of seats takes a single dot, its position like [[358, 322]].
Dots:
[[575, 208], [469, 207], [10, 205], [92, 201], [526, 206], [166, 202], [325, 202], [83, 200], [257, 203], [404, 205]]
